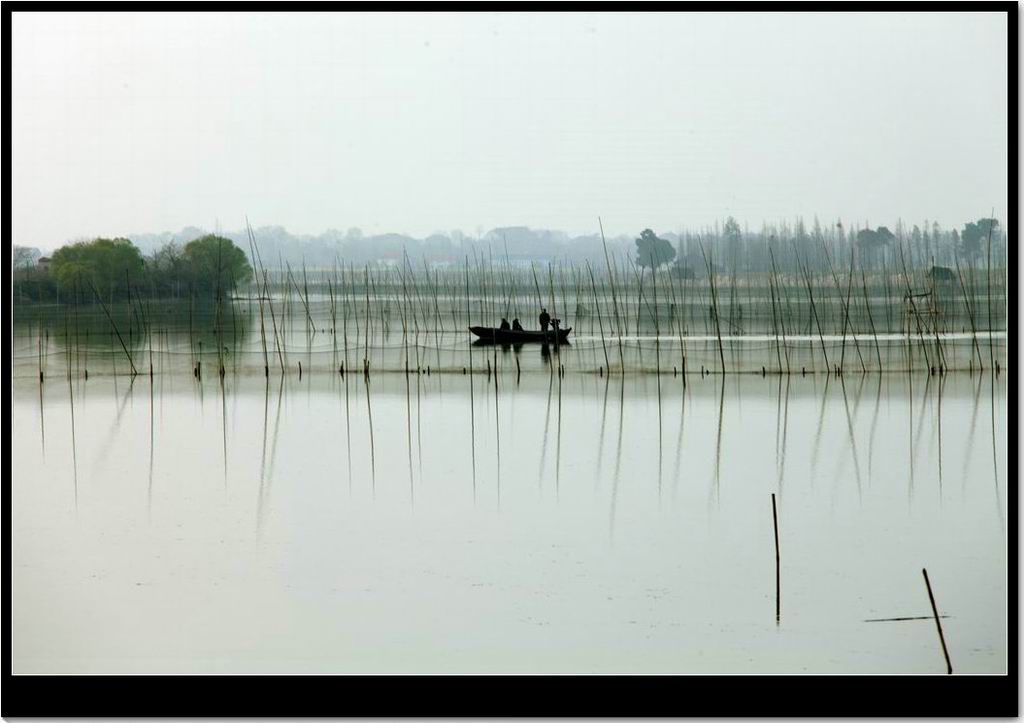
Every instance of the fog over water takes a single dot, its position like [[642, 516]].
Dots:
[[416, 123]]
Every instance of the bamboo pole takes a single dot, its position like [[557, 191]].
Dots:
[[782, 317], [597, 311], [114, 326], [938, 623], [814, 314], [970, 314], [615, 298], [714, 304]]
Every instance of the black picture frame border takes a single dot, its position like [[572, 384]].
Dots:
[[524, 695], [527, 695]]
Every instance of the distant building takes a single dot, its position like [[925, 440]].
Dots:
[[43, 264], [941, 273]]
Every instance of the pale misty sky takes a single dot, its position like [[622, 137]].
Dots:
[[414, 123]]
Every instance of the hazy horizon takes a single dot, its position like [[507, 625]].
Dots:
[[417, 123]]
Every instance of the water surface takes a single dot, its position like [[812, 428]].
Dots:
[[585, 523]]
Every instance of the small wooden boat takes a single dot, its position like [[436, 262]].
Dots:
[[508, 336]]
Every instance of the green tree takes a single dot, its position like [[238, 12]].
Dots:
[[168, 269], [653, 251], [215, 264], [873, 243], [732, 236], [975, 235], [107, 265]]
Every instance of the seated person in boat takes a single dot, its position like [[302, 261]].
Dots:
[[504, 325], [516, 326]]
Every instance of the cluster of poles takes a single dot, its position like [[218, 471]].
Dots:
[[853, 317]]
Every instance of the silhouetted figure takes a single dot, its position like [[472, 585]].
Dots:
[[504, 325], [516, 326], [545, 319]]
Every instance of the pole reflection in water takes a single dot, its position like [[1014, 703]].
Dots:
[[660, 582]]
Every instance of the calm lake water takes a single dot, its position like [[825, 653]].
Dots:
[[555, 525]]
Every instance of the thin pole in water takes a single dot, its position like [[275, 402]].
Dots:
[[778, 589], [40, 340], [714, 302], [938, 623], [615, 298]]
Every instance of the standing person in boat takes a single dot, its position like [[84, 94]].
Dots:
[[504, 325], [545, 319], [516, 326]]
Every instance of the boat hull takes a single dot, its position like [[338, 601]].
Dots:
[[502, 336]]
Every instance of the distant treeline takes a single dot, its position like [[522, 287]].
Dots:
[[731, 249], [729, 242], [197, 263], [105, 269]]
